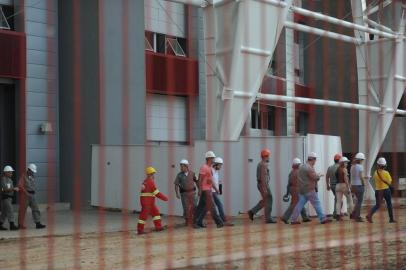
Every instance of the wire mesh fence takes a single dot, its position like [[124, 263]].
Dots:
[[138, 133]]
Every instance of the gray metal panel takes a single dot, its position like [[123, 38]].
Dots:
[[237, 165], [42, 106], [113, 73]]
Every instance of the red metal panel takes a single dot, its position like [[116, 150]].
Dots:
[[12, 54], [304, 91], [171, 75]]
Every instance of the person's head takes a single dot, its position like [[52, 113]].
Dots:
[[265, 154], [344, 162], [359, 158], [381, 163], [218, 162], [184, 165], [296, 163], [210, 156], [337, 158], [31, 169], [312, 158], [8, 171], [150, 172]]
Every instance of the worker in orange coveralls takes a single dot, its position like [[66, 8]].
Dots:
[[147, 199]]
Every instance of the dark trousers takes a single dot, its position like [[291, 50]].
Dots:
[[358, 191], [379, 196], [206, 203], [266, 202], [333, 189]]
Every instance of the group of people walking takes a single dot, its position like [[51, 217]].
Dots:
[[200, 193], [26, 190]]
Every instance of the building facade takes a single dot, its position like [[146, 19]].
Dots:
[[127, 72]]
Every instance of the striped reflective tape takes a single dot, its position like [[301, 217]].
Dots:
[[140, 221], [147, 194], [155, 192], [156, 218]]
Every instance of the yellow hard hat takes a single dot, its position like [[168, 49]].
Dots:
[[150, 170]]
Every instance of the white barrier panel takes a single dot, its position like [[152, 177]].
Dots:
[[325, 147], [240, 162]]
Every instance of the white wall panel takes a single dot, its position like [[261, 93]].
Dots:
[[165, 17], [241, 159]]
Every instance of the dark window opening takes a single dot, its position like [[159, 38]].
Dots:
[[302, 122], [8, 15]]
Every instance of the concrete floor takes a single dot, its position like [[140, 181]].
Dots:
[[64, 221]]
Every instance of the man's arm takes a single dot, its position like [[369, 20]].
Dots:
[[262, 178]]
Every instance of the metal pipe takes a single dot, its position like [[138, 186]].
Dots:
[[197, 3], [380, 26], [344, 23], [320, 32], [320, 102]]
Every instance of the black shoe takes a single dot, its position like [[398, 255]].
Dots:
[[325, 221], [2, 228], [220, 225], [359, 219], [13, 227], [38, 225], [271, 221], [392, 221], [251, 215], [369, 218], [307, 220], [295, 223], [284, 221], [199, 226]]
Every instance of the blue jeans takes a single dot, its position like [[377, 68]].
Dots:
[[314, 200], [206, 203], [219, 204], [358, 191], [379, 196]]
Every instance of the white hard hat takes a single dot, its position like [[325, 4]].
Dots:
[[210, 154], [312, 155], [296, 161], [360, 156], [218, 160], [381, 161], [184, 162], [8, 169], [32, 167], [344, 159]]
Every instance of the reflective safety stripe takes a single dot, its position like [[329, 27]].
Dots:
[[155, 192], [140, 221], [147, 194], [156, 218]]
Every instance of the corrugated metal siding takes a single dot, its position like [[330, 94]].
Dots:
[[42, 92]]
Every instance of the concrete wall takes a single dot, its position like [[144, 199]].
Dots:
[[41, 27]]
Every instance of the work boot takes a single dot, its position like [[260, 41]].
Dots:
[[220, 225], [369, 218], [271, 221], [307, 220], [358, 219], [284, 221], [141, 232], [38, 225], [2, 228], [295, 223], [228, 224], [392, 221], [251, 215], [325, 221], [13, 227]]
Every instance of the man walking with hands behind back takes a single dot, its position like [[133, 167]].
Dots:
[[27, 198], [263, 179]]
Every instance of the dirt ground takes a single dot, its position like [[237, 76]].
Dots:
[[339, 245]]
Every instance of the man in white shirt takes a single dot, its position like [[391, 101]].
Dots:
[[218, 163]]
